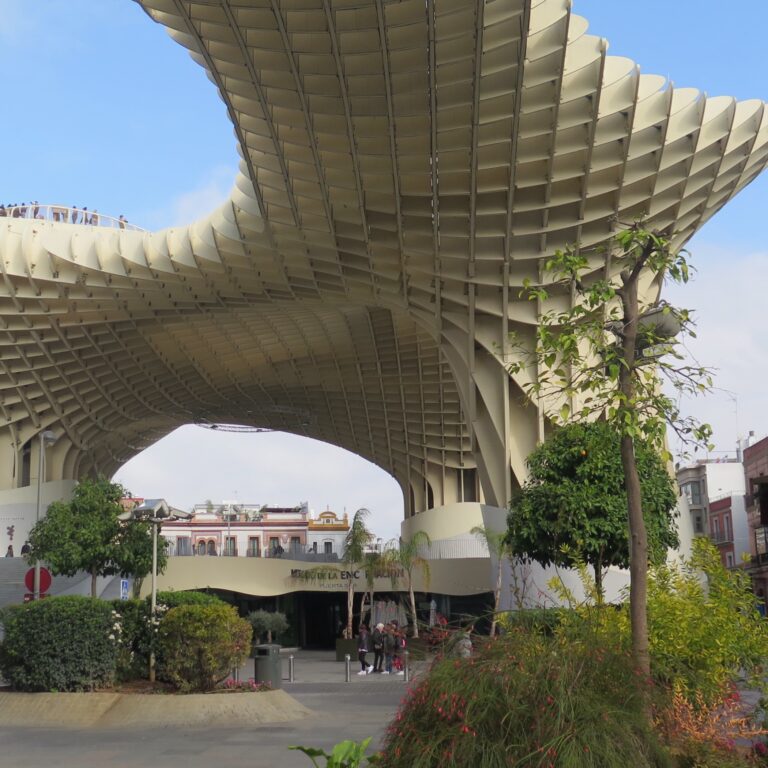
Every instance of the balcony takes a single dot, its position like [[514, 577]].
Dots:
[[721, 537]]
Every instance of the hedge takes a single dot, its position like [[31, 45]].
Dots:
[[59, 644]]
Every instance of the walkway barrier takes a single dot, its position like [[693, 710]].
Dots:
[[65, 215], [347, 669], [406, 667], [291, 676]]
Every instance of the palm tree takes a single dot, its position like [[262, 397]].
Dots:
[[355, 543], [405, 559], [373, 567], [498, 548]]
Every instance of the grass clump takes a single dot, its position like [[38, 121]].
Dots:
[[526, 700]]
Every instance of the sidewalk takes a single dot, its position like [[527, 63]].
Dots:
[[321, 667], [340, 710]]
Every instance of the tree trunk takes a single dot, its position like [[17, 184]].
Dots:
[[373, 618], [413, 607], [94, 577], [497, 594], [350, 606], [599, 580], [638, 550]]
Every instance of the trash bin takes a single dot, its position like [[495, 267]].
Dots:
[[267, 665]]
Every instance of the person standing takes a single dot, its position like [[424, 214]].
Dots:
[[9, 551], [389, 649], [363, 640], [378, 647]]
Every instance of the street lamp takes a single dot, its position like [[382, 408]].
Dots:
[[155, 511], [47, 437]]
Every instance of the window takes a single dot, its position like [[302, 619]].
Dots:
[[328, 547], [729, 559], [231, 549], [183, 546], [295, 544], [254, 549], [727, 528], [715, 528], [200, 547], [212, 548], [692, 492], [698, 526]]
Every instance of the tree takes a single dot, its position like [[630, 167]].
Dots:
[[84, 534], [405, 559], [573, 506], [607, 357], [269, 623], [357, 540], [374, 567], [498, 547]]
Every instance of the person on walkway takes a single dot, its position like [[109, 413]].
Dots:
[[378, 647], [26, 548], [9, 551], [363, 640], [389, 648], [399, 657]]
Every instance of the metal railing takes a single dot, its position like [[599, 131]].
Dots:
[[721, 537], [454, 549], [62, 214]]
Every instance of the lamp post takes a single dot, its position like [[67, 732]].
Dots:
[[46, 437], [156, 512]]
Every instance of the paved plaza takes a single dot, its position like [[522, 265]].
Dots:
[[340, 710]]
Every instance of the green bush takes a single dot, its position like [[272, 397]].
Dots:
[[198, 645], [171, 599], [60, 644], [269, 623], [525, 699], [544, 620], [705, 629], [137, 637]]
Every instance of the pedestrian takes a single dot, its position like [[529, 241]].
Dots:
[[389, 649], [397, 660], [26, 548], [363, 639], [121, 221], [9, 551], [378, 647]]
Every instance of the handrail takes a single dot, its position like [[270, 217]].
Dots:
[[65, 215]]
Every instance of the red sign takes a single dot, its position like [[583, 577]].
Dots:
[[45, 579]]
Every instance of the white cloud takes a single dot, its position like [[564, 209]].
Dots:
[[727, 294], [190, 206], [193, 464]]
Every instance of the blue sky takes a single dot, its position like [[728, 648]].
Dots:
[[102, 109]]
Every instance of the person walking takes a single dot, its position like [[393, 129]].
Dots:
[[378, 648], [363, 640], [9, 551]]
